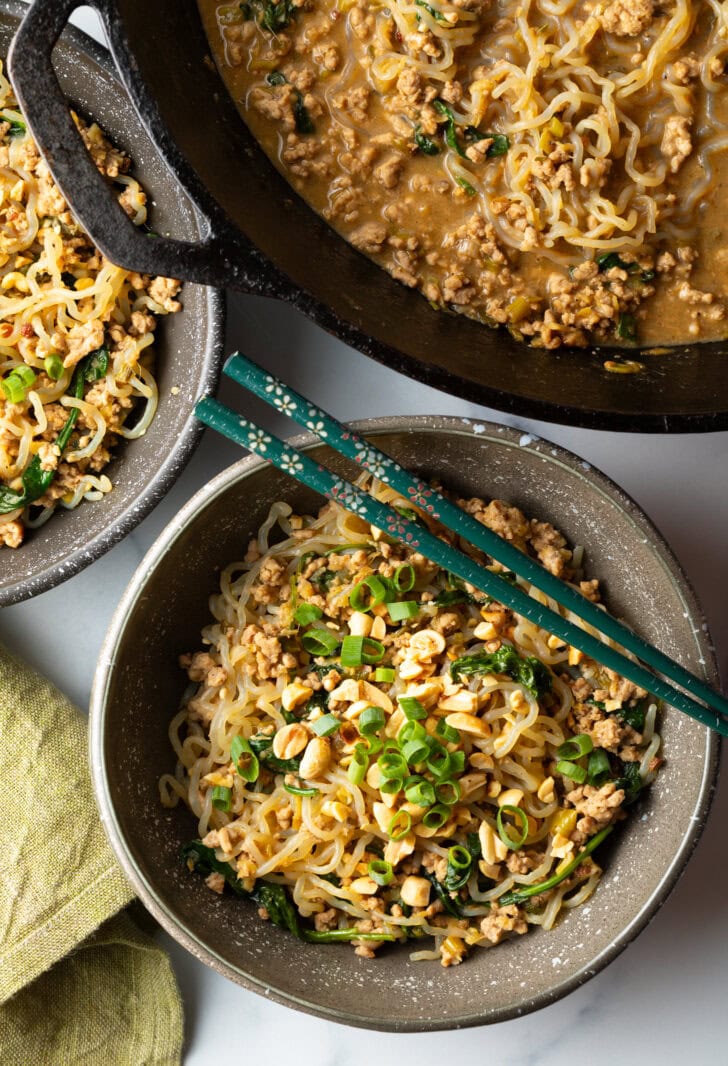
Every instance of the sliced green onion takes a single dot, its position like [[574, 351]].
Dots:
[[575, 747], [297, 790], [390, 786], [571, 770], [438, 761], [400, 825], [404, 578], [245, 759], [381, 872], [370, 721], [222, 797], [413, 709], [26, 374], [420, 791], [448, 792], [359, 765], [358, 650], [459, 865], [384, 674], [392, 764], [459, 857], [452, 736], [326, 725], [13, 388], [372, 744], [368, 593], [598, 769], [53, 365], [401, 610], [504, 830], [415, 751], [320, 642], [437, 816], [307, 613], [457, 762], [411, 731], [372, 651]]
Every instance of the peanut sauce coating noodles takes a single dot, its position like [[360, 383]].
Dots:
[[555, 166], [375, 752], [76, 364]]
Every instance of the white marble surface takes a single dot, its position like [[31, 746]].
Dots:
[[663, 999]]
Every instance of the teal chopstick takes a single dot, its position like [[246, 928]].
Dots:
[[416, 537], [289, 402]]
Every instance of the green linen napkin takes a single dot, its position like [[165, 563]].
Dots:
[[80, 983]]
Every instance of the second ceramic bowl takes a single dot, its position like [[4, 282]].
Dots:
[[139, 684]]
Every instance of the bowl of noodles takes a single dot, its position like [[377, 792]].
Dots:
[[99, 366], [358, 786]]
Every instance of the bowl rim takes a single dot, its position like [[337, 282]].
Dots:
[[243, 468], [83, 554]]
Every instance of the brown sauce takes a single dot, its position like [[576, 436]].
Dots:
[[554, 167]]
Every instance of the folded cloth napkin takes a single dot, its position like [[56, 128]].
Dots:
[[80, 983]]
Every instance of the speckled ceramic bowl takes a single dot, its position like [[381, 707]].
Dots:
[[138, 687], [189, 347]]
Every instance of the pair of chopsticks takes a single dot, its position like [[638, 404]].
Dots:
[[415, 536]]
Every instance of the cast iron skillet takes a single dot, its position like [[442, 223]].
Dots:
[[263, 239]]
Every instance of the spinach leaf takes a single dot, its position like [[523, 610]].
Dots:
[[634, 716], [319, 699], [466, 186], [451, 136], [530, 671], [262, 748], [332, 936], [425, 144], [35, 480], [323, 579], [437, 15], [470, 134], [509, 576], [610, 260], [449, 902], [301, 117], [520, 895], [304, 122], [627, 328], [456, 877], [275, 899], [453, 597], [276, 15], [630, 781], [277, 902], [203, 860], [500, 144], [17, 127]]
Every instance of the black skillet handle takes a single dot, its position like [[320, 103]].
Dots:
[[216, 260]]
